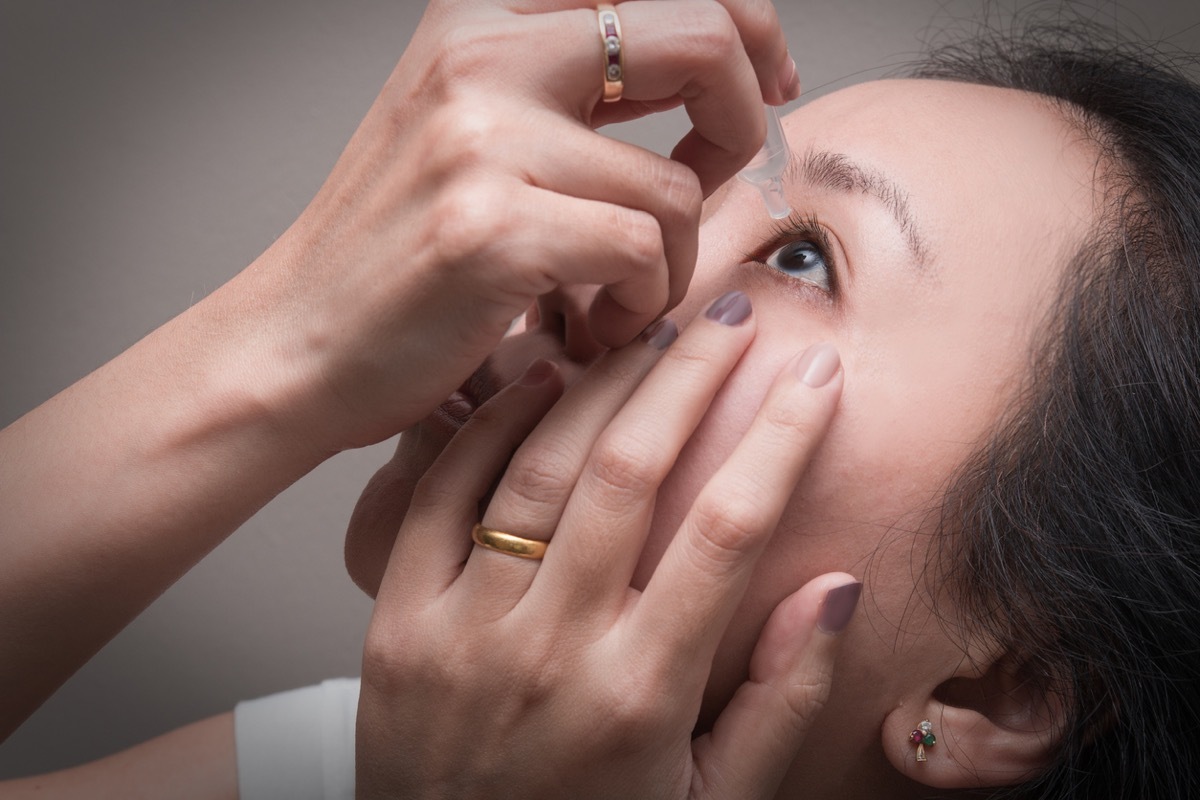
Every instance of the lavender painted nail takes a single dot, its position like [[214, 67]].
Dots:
[[660, 334], [838, 608], [731, 308]]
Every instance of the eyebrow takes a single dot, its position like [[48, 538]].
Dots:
[[835, 171]]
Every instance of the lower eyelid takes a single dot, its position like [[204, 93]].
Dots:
[[774, 280]]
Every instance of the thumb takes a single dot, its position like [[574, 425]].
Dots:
[[758, 734]]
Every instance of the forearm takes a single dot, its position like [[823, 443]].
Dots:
[[117, 486], [196, 762]]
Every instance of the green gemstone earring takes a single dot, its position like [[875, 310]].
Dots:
[[923, 737]]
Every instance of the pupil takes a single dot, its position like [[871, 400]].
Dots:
[[801, 255]]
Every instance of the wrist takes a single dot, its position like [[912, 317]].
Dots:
[[257, 367]]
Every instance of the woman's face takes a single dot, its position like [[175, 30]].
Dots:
[[933, 223]]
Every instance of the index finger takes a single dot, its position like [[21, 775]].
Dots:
[[689, 600], [762, 38], [694, 50], [758, 24], [688, 50], [724, 59]]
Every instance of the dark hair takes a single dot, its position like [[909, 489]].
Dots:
[[1075, 533]]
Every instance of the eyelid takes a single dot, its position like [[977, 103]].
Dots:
[[801, 227]]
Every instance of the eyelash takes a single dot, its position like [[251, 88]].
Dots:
[[800, 227]]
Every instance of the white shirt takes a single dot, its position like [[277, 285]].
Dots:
[[298, 745]]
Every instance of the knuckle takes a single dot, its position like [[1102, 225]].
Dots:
[[466, 51], [539, 676], [436, 489], [634, 711], [681, 192], [791, 420], [475, 125], [691, 360], [627, 465], [805, 697], [495, 413], [727, 529], [713, 31], [460, 134], [642, 235], [465, 220], [541, 477], [455, 150], [758, 23], [388, 652]]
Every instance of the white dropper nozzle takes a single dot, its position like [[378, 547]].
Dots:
[[766, 169]]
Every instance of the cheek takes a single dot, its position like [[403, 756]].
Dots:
[[829, 526]]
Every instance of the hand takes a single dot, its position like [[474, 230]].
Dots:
[[486, 675], [476, 184]]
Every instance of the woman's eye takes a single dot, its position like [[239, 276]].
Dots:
[[804, 260]]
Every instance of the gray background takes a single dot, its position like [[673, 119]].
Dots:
[[149, 151]]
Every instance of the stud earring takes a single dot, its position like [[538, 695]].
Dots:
[[923, 737]]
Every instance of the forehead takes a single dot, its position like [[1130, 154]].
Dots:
[[971, 163]]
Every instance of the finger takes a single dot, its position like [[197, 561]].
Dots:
[[695, 51], [760, 732], [586, 165], [607, 517], [435, 537], [703, 574], [672, 49], [530, 497], [762, 36], [626, 110], [763, 39], [644, 204], [497, 231], [692, 50]]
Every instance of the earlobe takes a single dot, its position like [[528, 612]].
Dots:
[[998, 728]]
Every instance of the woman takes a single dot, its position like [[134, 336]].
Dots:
[[1010, 471], [937, 320]]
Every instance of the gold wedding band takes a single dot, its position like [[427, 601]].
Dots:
[[508, 544], [614, 52]]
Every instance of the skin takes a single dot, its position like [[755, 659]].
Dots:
[[934, 341], [195, 762], [287, 364], [419, 250]]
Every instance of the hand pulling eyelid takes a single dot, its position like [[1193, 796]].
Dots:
[[766, 169]]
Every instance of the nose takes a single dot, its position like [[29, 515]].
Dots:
[[563, 314]]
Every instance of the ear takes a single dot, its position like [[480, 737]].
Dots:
[[995, 725]]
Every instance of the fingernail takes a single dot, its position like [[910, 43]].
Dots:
[[731, 308], [838, 608], [789, 80], [538, 372], [660, 334], [819, 364]]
